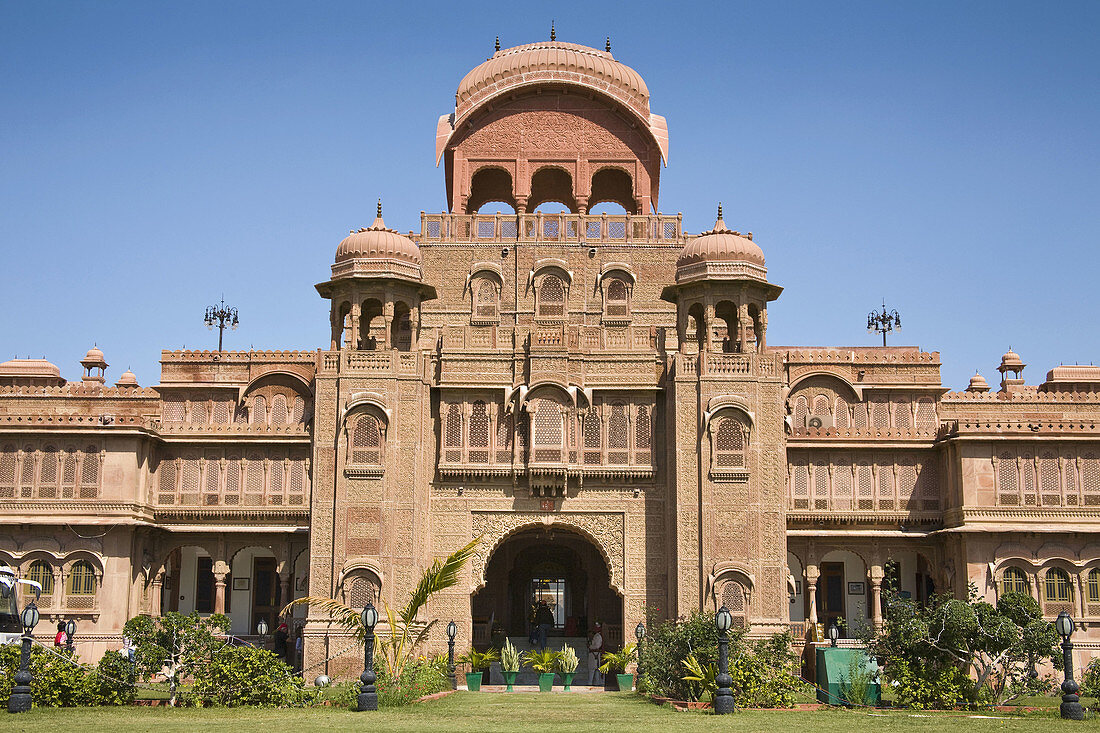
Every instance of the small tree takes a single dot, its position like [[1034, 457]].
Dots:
[[175, 644], [398, 645], [951, 651]]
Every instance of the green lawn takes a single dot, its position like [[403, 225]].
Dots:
[[554, 713]]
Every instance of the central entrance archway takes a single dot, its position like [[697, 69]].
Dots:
[[554, 564]]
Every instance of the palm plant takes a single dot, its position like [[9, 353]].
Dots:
[[399, 644], [541, 660], [478, 660], [618, 661]]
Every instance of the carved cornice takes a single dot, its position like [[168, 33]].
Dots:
[[249, 514]]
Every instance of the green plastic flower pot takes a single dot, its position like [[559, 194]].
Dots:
[[510, 678], [473, 681], [546, 681], [567, 677], [626, 682]]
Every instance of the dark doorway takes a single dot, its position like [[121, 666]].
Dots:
[[830, 594], [551, 564], [266, 593]]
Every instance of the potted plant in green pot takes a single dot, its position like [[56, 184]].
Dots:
[[543, 661], [616, 663], [567, 664], [509, 663], [477, 662]]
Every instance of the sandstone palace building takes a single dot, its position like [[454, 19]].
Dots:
[[594, 395]]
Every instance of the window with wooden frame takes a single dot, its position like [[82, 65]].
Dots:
[[1093, 585], [1014, 580], [82, 579], [1057, 586], [40, 572]]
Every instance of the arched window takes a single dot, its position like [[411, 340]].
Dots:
[[81, 579], [617, 434], [842, 418], [734, 599], [299, 414], [40, 572], [7, 472], [486, 301], [616, 299], [479, 433], [551, 297], [259, 411], [1094, 586], [362, 587], [642, 433], [1014, 581], [366, 441], [729, 442], [198, 413], [821, 406], [278, 410], [452, 440], [801, 410], [1057, 587], [549, 437]]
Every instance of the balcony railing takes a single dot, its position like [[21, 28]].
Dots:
[[576, 228]]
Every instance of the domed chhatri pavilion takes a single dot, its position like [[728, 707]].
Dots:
[[592, 394]]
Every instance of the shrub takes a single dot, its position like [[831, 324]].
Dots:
[[855, 688], [1090, 678], [419, 678], [113, 682], [55, 680], [666, 647], [247, 676]]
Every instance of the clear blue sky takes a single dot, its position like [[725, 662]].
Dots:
[[945, 156]]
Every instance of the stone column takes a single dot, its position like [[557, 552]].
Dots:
[[812, 574], [221, 572], [353, 336], [875, 577], [708, 325], [155, 601]]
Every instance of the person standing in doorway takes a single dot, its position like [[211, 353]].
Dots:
[[544, 621], [595, 654]]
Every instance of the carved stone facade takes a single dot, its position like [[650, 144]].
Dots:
[[592, 395]]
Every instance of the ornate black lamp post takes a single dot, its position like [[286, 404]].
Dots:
[[20, 699], [221, 316], [834, 633], [70, 632], [723, 701], [368, 696], [883, 322], [452, 631], [639, 634], [1071, 703]]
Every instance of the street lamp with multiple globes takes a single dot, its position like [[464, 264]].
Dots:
[[452, 632], [368, 696], [20, 699], [1071, 703], [883, 322], [70, 632], [639, 634], [221, 316], [723, 701]]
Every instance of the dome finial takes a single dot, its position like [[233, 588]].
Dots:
[[719, 209], [553, 35], [607, 45], [379, 208], [497, 47]]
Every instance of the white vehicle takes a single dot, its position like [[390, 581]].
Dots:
[[11, 628]]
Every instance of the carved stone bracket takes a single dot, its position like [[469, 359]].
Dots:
[[605, 529]]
